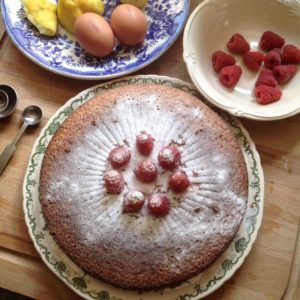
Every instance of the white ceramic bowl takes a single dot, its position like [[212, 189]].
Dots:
[[209, 28]]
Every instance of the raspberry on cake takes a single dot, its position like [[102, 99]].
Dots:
[[169, 157], [144, 143], [133, 202], [179, 182], [159, 204], [114, 181], [146, 171], [119, 156]]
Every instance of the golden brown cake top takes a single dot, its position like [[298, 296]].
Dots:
[[143, 251]]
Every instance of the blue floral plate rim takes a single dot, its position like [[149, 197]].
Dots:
[[99, 72]]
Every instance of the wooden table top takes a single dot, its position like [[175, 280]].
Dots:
[[265, 272]]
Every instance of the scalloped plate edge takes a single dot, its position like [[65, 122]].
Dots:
[[157, 80]]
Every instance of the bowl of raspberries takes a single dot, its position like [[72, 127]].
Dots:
[[244, 56]]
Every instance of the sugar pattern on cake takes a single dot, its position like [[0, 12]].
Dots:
[[143, 251]]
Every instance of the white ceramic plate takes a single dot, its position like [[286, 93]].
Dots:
[[63, 55], [210, 27], [90, 288]]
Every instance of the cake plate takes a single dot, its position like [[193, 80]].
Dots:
[[90, 288]]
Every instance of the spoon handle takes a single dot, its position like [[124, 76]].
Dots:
[[6, 155], [19, 134], [10, 149]]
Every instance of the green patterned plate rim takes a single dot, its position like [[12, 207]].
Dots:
[[89, 288]]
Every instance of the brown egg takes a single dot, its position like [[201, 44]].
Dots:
[[94, 34], [129, 24]]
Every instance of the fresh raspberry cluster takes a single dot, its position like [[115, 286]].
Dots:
[[146, 171], [279, 64]]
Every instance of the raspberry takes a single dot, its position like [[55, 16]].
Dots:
[[290, 54], [266, 94], [230, 75], [119, 156], [146, 171], [169, 157], [283, 73], [133, 202], [221, 59], [237, 44], [144, 143], [253, 60], [114, 181], [270, 40], [179, 182], [159, 204], [266, 77], [273, 58]]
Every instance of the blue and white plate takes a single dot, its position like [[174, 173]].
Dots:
[[63, 55]]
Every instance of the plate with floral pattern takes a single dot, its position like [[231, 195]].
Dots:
[[88, 287], [63, 55]]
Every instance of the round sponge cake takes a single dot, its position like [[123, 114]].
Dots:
[[142, 251]]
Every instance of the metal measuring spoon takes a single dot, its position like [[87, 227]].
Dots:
[[3, 101], [31, 116], [8, 100]]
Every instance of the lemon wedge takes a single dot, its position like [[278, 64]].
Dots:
[[69, 10], [42, 14]]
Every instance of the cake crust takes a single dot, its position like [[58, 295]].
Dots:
[[143, 251]]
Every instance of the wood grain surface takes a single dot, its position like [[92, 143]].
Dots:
[[265, 272]]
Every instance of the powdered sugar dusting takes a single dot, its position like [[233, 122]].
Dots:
[[193, 217]]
